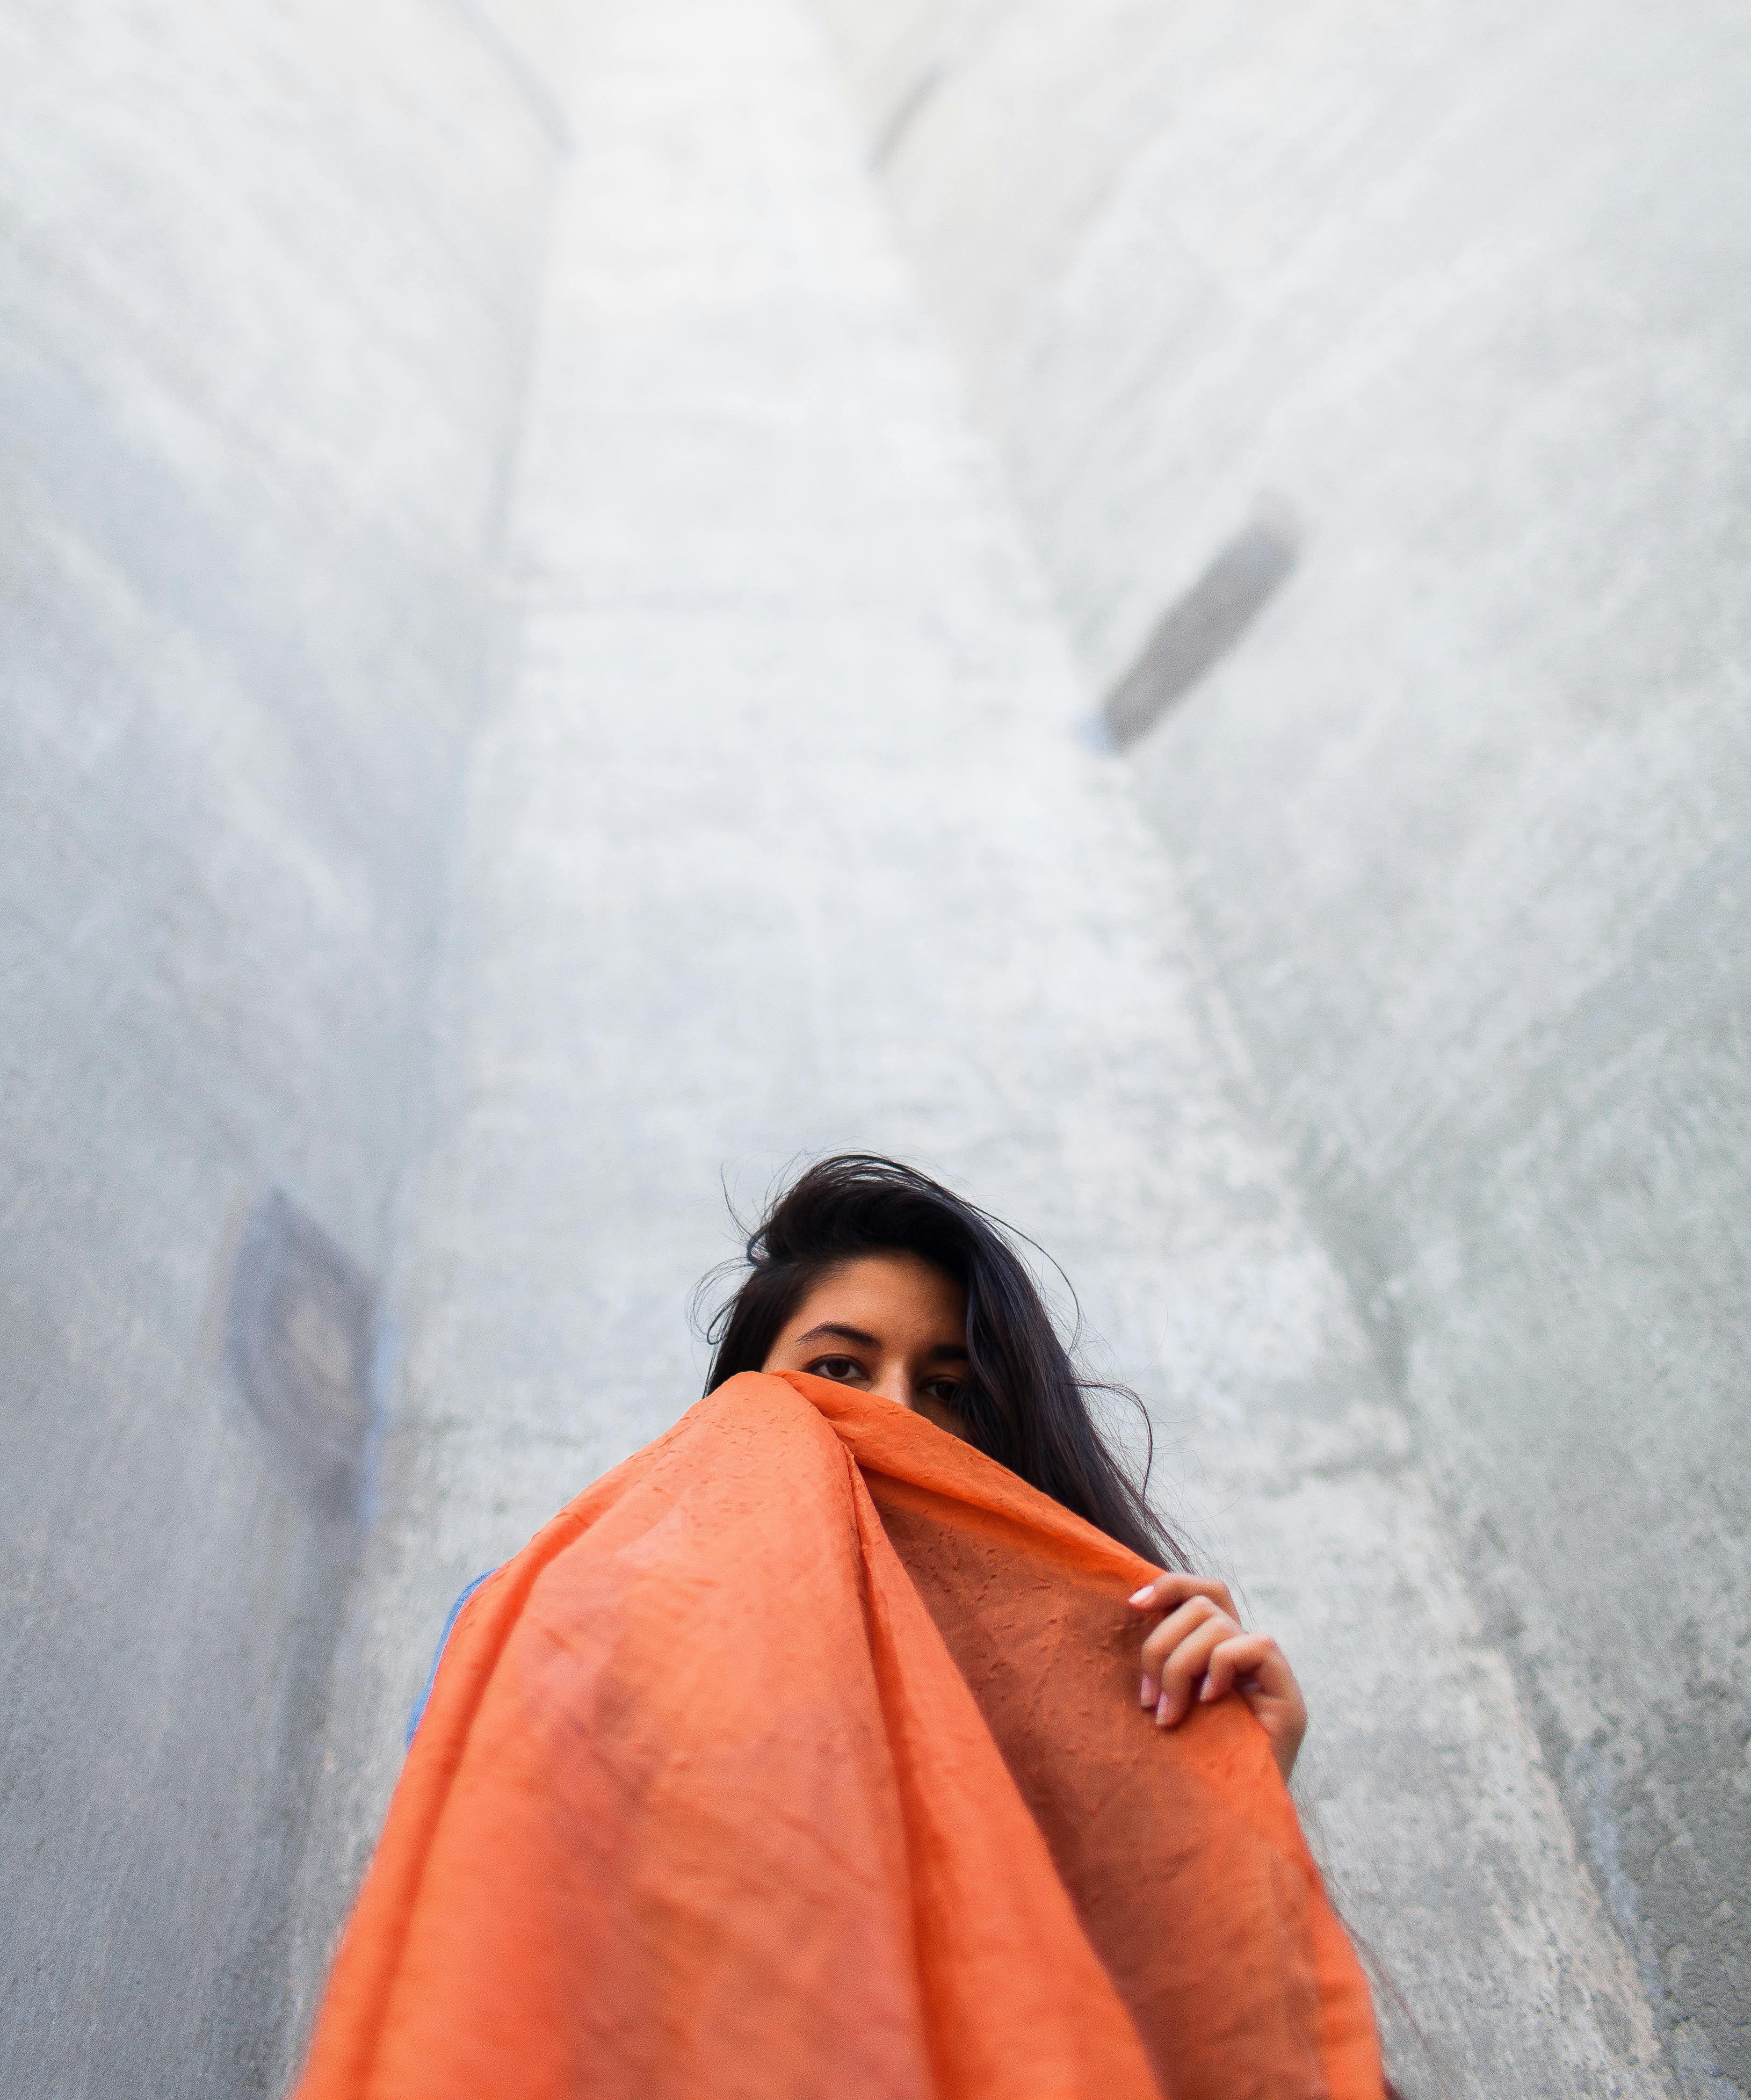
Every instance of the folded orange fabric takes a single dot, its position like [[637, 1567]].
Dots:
[[801, 1755]]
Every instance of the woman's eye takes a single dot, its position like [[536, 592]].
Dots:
[[842, 1368], [946, 1393]]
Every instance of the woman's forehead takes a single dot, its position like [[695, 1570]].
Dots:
[[884, 1288]]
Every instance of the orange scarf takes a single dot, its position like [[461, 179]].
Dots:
[[800, 1759]]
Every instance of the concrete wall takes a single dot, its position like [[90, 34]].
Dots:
[[445, 830], [1465, 293], [784, 833], [264, 326]]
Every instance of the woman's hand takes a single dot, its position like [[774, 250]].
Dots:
[[1200, 1650]]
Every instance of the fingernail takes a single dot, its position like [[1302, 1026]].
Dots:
[[1142, 1596], [1208, 1690], [1161, 1712], [1150, 1693]]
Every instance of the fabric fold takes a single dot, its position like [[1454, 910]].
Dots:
[[800, 1755]]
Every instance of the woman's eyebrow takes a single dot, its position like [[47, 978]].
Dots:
[[942, 1353]]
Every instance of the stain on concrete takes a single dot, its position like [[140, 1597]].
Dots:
[[1198, 630], [298, 1342], [905, 113]]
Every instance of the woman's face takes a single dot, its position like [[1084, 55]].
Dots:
[[888, 1324]]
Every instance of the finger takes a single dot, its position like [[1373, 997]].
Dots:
[[1242, 1656], [1168, 1591], [1164, 1591], [1184, 1668], [1164, 1638], [1255, 1667], [1268, 1673], [1178, 1627]]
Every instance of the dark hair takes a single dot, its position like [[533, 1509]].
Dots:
[[1022, 1403]]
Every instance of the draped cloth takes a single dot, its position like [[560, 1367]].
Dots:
[[800, 1759]]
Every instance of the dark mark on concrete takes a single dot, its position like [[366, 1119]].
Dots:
[[1198, 630], [298, 1344], [904, 114]]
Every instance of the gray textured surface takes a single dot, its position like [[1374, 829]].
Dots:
[[787, 834], [1386, 1121], [1461, 822], [263, 318]]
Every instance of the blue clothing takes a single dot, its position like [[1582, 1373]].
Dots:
[[431, 1675]]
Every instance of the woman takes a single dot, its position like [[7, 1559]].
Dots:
[[871, 1274], [797, 1756]]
